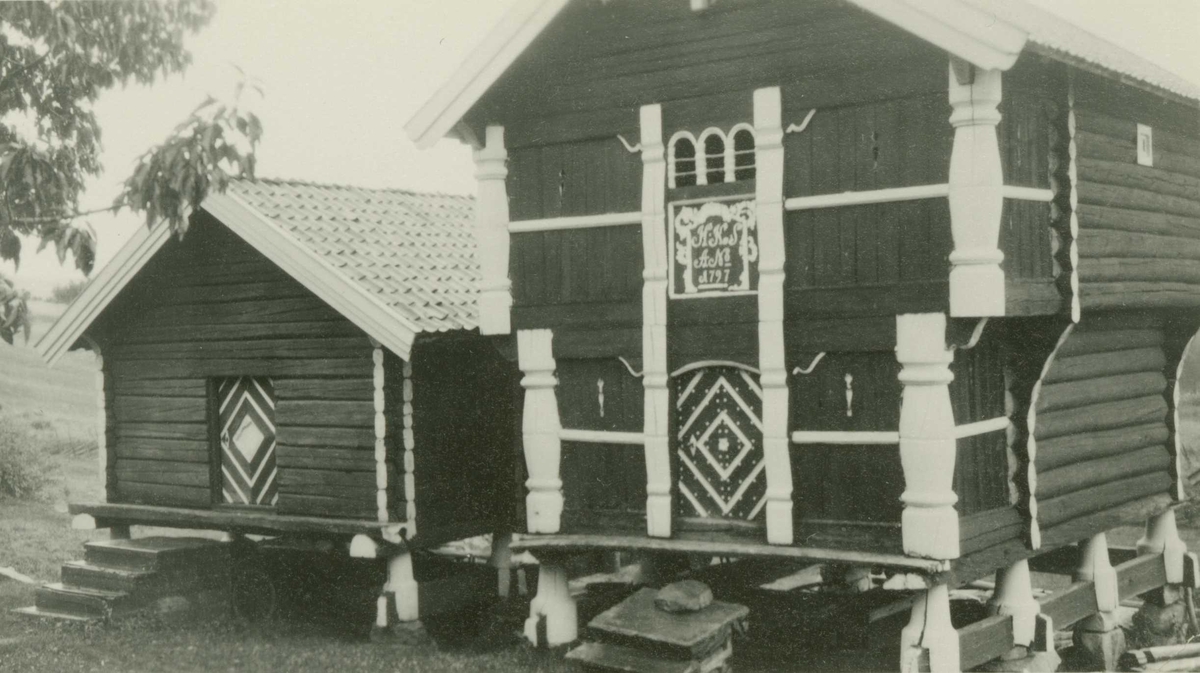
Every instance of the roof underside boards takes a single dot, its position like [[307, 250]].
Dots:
[[987, 33], [395, 263]]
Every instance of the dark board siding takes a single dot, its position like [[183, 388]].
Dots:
[[977, 394], [581, 178], [1102, 420], [1139, 234], [211, 306], [1026, 240], [604, 486], [585, 266], [578, 395]]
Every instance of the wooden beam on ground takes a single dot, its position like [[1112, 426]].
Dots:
[[232, 520]]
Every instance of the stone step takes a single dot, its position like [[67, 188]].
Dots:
[[606, 657], [84, 574], [636, 622], [158, 554], [34, 611], [83, 602]]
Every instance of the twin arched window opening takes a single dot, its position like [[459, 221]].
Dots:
[[712, 159]]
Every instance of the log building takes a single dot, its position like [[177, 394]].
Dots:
[[895, 284]]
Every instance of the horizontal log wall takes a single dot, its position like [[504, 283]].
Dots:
[[1101, 425], [1139, 240], [210, 306]]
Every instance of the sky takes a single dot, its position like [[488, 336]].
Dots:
[[341, 79]]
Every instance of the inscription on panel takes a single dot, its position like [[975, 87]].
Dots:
[[714, 245]]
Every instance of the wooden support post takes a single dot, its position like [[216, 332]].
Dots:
[[1014, 596], [768, 131], [101, 425], [1095, 567], [1162, 537], [976, 193], [381, 471], [656, 399], [409, 439], [929, 630], [1099, 638], [929, 523], [403, 586], [501, 560], [491, 232], [554, 608], [397, 610], [540, 427]]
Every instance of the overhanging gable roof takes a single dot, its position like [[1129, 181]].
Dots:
[[393, 263], [987, 33]]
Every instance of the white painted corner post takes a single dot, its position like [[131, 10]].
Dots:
[[929, 523], [976, 193], [540, 427], [654, 324], [101, 425], [491, 232], [768, 132], [381, 471], [409, 439]]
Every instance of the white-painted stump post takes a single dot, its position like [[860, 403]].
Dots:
[[1014, 596], [399, 602], [501, 560], [554, 605], [1099, 637], [1096, 567], [929, 523], [540, 428], [929, 629], [491, 232], [976, 193], [1162, 537]]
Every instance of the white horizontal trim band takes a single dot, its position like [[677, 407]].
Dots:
[[1028, 193], [880, 437], [575, 222], [601, 436], [981, 427], [867, 197]]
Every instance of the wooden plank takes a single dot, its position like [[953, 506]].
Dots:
[[299, 480], [158, 494], [1116, 270], [345, 347], [198, 477], [984, 640], [1068, 449], [324, 413], [1140, 575], [1078, 476], [324, 389], [1100, 194], [1085, 342], [1072, 394], [1107, 243], [362, 437], [239, 520], [128, 408], [361, 459], [175, 369], [123, 385], [1100, 365], [1148, 178], [1074, 505], [1085, 526], [1070, 605], [862, 301], [325, 506], [1102, 416], [1140, 221]]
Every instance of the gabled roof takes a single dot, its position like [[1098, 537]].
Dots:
[[395, 263], [987, 33]]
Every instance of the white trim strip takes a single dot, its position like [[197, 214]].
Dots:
[[575, 222], [874, 437], [867, 197], [1028, 193], [981, 427], [602, 436]]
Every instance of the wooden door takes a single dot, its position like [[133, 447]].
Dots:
[[718, 443], [246, 421]]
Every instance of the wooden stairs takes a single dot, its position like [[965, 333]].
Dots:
[[118, 577], [636, 637]]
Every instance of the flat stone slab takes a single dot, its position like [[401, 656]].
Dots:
[[626, 660], [637, 618]]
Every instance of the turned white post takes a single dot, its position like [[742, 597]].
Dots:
[[768, 137], [929, 523], [1014, 596], [554, 604], [656, 399], [381, 472], [929, 628], [403, 587], [976, 193], [540, 427], [491, 233], [1095, 567], [410, 442], [1162, 537], [101, 425]]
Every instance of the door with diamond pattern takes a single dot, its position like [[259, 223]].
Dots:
[[246, 422], [718, 443]]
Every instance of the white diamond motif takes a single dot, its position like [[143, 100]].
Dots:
[[248, 438]]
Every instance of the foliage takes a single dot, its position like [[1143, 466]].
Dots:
[[67, 292], [24, 470], [56, 59]]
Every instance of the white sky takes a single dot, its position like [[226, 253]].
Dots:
[[341, 79]]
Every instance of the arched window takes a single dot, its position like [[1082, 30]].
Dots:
[[743, 154], [714, 158], [683, 162]]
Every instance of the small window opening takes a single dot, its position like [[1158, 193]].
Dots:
[[743, 155], [714, 159], [683, 158]]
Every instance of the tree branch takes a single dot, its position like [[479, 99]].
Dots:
[[51, 219]]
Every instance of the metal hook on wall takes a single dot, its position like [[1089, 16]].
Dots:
[[634, 374], [812, 365], [632, 149], [794, 128]]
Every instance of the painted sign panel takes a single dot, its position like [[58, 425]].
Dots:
[[714, 245]]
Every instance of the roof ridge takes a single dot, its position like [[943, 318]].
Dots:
[[336, 185]]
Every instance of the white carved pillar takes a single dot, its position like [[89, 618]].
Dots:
[[491, 232], [929, 524], [381, 472], [929, 628], [553, 604], [1014, 596], [408, 437], [101, 424], [1162, 537], [1095, 567], [654, 324], [768, 137], [540, 429], [976, 193]]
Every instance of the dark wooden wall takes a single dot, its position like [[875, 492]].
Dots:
[[1139, 238], [464, 414], [1102, 429], [211, 306]]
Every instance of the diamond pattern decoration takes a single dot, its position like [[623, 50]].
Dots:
[[247, 422], [718, 442]]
